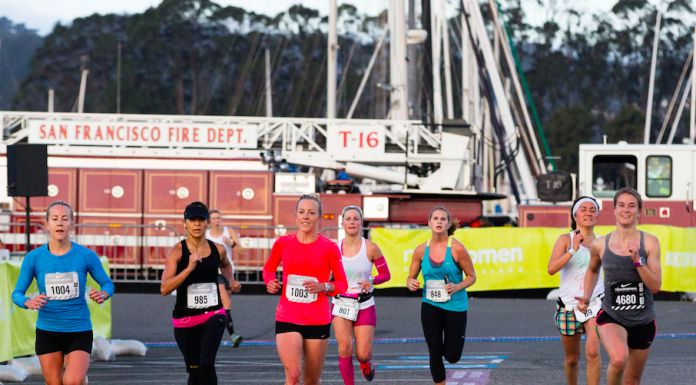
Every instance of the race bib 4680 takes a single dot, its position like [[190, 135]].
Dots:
[[627, 295]]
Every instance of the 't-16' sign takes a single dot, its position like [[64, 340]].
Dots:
[[143, 134], [348, 142]]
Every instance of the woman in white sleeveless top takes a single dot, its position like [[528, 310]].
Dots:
[[225, 236], [353, 312], [571, 256]]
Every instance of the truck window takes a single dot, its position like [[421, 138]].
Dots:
[[658, 179], [611, 173]]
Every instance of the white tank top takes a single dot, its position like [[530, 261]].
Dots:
[[218, 240], [358, 269], [573, 276]]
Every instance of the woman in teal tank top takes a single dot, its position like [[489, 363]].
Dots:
[[447, 272]]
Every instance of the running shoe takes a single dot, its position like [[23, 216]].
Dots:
[[236, 340], [368, 371]]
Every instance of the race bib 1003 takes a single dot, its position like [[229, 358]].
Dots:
[[62, 286], [627, 295], [435, 291], [201, 295], [295, 290]]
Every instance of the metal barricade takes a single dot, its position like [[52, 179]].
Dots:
[[257, 242], [136, 253], [13, 237]]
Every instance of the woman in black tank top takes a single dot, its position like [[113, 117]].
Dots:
[[632, 273], [198, 317]]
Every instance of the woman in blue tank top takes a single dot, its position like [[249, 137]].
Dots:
[[447, 271]]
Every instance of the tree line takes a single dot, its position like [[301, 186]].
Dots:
[[197, 57]]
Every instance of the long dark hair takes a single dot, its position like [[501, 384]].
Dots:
[[574, 225]]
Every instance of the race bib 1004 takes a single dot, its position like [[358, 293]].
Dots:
[[295, 290], [346, 308], [435, 291], [201, 295], [627, 295], [62, 286]]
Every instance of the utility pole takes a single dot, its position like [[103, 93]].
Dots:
[[412, 66], [648, 115], [397, 60], [118, 79], [269, 99], [332, 60], [83, 85]]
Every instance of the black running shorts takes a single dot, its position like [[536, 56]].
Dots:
[[639, 337], [51, 342], [308, 332]]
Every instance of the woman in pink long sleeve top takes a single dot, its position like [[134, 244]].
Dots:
[[303, 320]]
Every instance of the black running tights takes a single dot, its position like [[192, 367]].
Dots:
[[436, 321], [199, 345]]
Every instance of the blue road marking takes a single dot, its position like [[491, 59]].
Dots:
[[422, 340], [463, 357], [454, 366]]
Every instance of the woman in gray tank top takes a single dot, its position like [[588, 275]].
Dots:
[[632, 273]]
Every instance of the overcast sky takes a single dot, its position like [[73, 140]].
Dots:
[[44, 14]]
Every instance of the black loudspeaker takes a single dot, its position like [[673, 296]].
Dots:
[[555, 187], [27, 170]]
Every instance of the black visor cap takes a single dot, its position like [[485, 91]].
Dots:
[[197, 209]]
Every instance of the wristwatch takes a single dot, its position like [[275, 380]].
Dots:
[[572, 251], [327, 286], [641, 262]]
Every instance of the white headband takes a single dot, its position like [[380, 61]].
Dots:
[[581, 201]]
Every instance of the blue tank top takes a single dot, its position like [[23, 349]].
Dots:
[[459, 301]]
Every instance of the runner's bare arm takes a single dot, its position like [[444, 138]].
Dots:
[[463, 259], [592, 274], [170, 280], [559, 255], [416, 258], [236, 246], [651, 273]]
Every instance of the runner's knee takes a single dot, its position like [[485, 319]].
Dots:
[[363, 355], [572, 359], [73, 380], [346, 349], [619, 361], [592, 354], [293, 376], [452, 357]]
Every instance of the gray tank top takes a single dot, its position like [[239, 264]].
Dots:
[[627, 299]]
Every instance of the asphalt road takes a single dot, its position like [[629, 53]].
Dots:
[[509, 341]]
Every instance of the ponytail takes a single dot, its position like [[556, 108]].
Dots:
[[454, 224]]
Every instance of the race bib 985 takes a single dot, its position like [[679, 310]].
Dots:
[[201, 295]]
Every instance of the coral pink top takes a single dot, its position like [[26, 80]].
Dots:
[[317, 259]]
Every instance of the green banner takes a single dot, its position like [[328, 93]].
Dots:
[[18, 326], [5, 318], [510, 258]]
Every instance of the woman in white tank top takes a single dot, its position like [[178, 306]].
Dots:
[[571, 256], [353, 312], [225, 236]]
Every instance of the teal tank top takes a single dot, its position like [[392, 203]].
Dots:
[[432, 271]]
